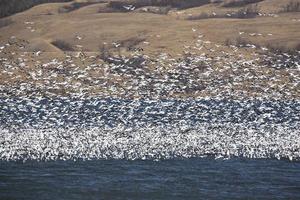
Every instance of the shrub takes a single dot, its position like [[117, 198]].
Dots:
[[180, 4], [5, 22], [188, 4], [9, 7], [75, 6], [130, 43], [104, 53], [297, 47], [275, 48], [62, 45], [238, 3], [292, 6], [238, 42], [248, 12]]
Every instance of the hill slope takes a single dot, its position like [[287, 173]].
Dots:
[[206, 49]]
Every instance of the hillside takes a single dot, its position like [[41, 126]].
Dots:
[[130, 48]]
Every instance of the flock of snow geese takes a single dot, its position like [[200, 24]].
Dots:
[[209, 101]]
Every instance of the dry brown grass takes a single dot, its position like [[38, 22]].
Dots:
[[244, 13], [203, 16]]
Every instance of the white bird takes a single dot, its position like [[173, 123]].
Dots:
[[129, 7]]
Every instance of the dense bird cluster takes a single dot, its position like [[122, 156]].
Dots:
[[152, 142], [218, 73], [210, 100], [94, 112]]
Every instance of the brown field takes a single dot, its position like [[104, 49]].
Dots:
[[100, 29]]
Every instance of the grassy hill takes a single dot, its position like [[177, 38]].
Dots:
[[168, 38]]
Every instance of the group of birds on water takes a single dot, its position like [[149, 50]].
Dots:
[[222, 141], [211, 100], [45, 129]]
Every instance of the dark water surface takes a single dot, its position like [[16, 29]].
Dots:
[[201, 178]]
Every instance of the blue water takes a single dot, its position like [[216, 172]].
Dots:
[[201, 178]]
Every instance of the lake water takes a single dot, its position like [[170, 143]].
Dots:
[[149, 149], [204, 178]]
